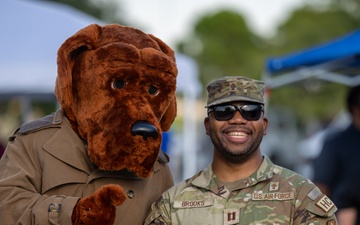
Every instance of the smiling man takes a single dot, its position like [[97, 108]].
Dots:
[[241, 186]]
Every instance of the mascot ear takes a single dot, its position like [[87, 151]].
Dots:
[[169, 116], [164, 48], [83, 40], [170, 113]]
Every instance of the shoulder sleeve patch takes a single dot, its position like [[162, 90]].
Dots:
[[325, 203], [314, 193], [322, 206]]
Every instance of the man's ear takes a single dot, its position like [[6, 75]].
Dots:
[[84, 39], [169, 115], [206, 125], [265, 125]]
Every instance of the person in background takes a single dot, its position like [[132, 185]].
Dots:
[[337, 168], [241, 186]]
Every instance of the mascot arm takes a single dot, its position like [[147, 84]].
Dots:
[[100, 207], [21, 203]]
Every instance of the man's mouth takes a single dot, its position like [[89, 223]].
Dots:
[[237, 134]]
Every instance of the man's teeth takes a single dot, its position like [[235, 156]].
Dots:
[[237, 134]]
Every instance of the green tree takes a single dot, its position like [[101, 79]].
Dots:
[[310, 26], [222, 44]]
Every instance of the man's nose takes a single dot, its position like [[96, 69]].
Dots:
[[237, 118]]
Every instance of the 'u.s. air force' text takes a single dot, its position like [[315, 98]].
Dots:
[[273, 196]]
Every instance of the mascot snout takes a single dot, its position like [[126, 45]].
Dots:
[[144, 129]]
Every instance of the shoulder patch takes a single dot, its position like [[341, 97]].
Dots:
[[314, 193], [38, 124], [325, 203], [322, 206]]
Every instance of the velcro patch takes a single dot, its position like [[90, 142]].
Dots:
[[231, 216], [325, 203], [274, 186]]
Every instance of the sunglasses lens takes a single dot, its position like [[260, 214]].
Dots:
[[248, 112], [224, 112], [251, 112]]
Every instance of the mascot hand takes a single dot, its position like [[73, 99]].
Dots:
[[100, 207]]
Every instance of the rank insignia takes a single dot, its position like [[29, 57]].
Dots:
[[274, 186]]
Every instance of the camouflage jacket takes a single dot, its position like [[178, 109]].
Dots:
[[272, 195]]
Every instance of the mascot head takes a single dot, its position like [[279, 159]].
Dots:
[[116, 85]]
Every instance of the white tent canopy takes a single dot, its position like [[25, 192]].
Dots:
[[32, 31]]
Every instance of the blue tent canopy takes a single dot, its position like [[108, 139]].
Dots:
[[335, 61]]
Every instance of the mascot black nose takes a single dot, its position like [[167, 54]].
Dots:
[[144, 129]]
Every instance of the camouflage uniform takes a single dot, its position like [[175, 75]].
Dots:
[[272, 195]]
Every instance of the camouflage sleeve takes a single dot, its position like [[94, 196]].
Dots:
[[159, 213], [316, 209]]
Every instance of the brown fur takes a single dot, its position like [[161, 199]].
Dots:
[[100, 207], [88, 64]]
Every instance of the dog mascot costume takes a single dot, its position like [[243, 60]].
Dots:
[[97, 160]]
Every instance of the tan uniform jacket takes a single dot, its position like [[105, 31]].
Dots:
[[46, 164]]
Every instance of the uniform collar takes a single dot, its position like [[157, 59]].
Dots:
[[206, 179]]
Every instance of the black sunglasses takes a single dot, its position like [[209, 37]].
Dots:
[[251, 112]]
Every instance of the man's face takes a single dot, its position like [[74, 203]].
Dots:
[[236, 139]]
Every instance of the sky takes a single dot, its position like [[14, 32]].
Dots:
[[171, 20]]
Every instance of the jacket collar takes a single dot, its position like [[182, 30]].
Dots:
[[66, 146]]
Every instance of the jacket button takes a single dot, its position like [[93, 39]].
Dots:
[[131, 194]]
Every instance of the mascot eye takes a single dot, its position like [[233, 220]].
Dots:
[[153, 90], [118, 84]]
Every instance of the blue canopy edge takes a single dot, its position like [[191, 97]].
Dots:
[[336, 61]]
